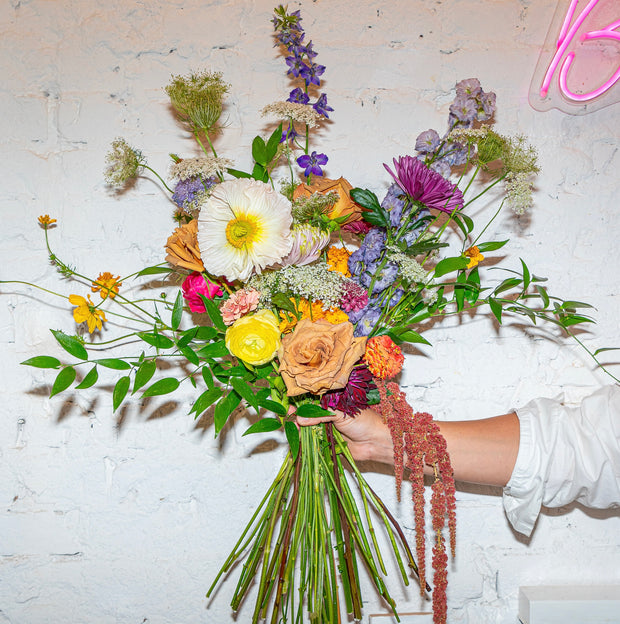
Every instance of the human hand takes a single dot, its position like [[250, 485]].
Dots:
[[367, 436]]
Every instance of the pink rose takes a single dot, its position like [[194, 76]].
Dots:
[[194, 285], [240, 303]]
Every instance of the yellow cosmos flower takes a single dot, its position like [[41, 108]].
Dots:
[[337, 260], [254, 338], [86, 312], [46, 221], [474, 255], [243, 227], [106, 284]]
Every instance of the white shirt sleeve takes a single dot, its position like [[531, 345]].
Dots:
[[565, 454]]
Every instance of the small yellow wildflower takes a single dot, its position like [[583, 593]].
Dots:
[[474, 255], [46, 221], [87, 312], [337, 260], [107, 284]]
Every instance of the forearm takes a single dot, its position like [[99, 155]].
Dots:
[[481, 451]]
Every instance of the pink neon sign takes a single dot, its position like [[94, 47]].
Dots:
[[579, 67]]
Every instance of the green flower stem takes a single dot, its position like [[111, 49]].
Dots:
[[197, 137], [486, 188], [484, 229], [51, 292], [162, 181]]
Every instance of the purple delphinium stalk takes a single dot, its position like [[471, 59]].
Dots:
[[365, 320], [322, 107], [354, 396], [311, 164], [368, 252], [425, 185], [394, 203], [379, 278]]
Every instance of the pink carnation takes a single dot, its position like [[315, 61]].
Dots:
[[194, 285], [240, 303]]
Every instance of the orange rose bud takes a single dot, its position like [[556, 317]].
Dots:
[[345, 206], [383, 357]]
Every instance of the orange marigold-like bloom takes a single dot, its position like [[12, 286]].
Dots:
[[337, 260], [107, 284], [87, 312], [287, 321], [383, 357], [46, 221], [336, 315], [474, 255]]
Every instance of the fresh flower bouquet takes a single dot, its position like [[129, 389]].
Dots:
[[300, 295]]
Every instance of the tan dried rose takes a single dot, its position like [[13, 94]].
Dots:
[[182, 247], [345, 206], [319, 356]]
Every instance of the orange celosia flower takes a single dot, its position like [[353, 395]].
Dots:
[[337, 259], [87, 312], [474, 255], [383, 357], [106, 284], [46, 221]]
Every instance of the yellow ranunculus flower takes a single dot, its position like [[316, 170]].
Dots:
[[254, 338]]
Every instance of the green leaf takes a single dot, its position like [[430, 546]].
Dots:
[[144, 374], [206, 333], [205, 400], [310, 410], [259, 151], [70, 344], [263, 425], [260, 173], [115, 363], [213, 350], [526, 275], [273, 143], [507, 284], [473, 291], [464, 222], [156, 340], [491, 246], [574, 319], [245, 390], [224, 409], [162, 386], [280, 300], [214, 313], [374, 213], [235, 173], [208, 377], [120, 391], [602, 349], [187, 336], [542, 291], [63, 380], [190, 355], [272, 406], [89, 380], [411, 336], [571, 305], [292, 435], [459, 290], [154, 270], [42, 361], [447, 265], [496, 308], [177, 311]]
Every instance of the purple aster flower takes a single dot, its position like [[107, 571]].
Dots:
[[427, 142], [394, 203], [186, 191], [311, 164], [353, 297], [321, 106], [464, 109], [311, 73], [298, 96], [470, 87], [425, 185], [354, 396]]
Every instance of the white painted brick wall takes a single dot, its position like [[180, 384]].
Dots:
[[126, 517]]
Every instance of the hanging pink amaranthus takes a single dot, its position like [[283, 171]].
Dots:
[[419, 443]]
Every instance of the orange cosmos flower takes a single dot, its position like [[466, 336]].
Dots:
[[106, 284], [383, 357], [87, 312]]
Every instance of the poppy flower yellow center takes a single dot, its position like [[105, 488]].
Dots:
[[243, 231]]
